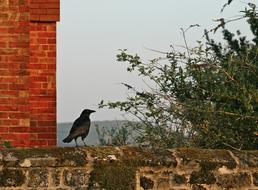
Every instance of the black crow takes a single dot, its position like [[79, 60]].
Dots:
[[80, 128]]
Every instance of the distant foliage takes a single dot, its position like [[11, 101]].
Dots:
[[115, 136], [206, 96]]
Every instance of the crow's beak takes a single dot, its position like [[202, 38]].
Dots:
[[92, 111]]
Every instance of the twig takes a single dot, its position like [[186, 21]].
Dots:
[[186, 45], [237, 149]]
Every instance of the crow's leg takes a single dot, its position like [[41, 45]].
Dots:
[[83, 142], [76, 142]]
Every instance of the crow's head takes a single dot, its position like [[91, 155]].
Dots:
[[87, 112]]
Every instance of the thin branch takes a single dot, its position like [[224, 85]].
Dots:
[[222, 24], [228, 145], [186, 45], [157, 51]]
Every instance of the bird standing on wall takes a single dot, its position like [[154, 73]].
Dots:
[[80, 128]]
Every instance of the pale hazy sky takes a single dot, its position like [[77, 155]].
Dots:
[[91, 32]]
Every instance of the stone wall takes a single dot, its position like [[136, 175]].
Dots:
[[127, 168]]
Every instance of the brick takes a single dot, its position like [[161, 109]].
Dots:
[[19, 129], [38, 11], [51, 142], [47, 136], [52, 129], [23, 23], [37, 66], [4, 130], [19, 29], [19, 143], [34, 5], [17, 115], [44, 47], [8, 108], [51, 54], [3, 29], [47, 34], [51, 41], [20, 59], [51, 66], [34, 85], [4, 86], [52, 47], [23, 94], [8, 93], [47, 123], [51, 27], [3, 44], [9, 122], [50, 5], [53, 11], [16, 87], [24, 122], [33, 123], [48, 117], [38, 143], [16, 2], [38, 78], [4, 115], [34, 59], [16, 136], [42, 41], [18, 44], [39, 130]]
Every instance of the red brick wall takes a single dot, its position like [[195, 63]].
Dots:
[[42, 83], [44, 10], [28, 71]]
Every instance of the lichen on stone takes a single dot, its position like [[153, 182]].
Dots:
[[56, 156], [38, 178], [239, 180], [117, 175], [11, 178], [75, 177], [55, 176], [198, 187], [247, 158], [204, 176], [217, 158], [146, 183], [255, 178], [178, 179]]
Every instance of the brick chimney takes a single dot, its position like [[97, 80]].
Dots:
[[28, 72]]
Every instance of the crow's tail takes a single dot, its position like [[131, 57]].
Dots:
[[68, 139]]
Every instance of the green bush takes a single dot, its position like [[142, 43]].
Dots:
[[206, 96]]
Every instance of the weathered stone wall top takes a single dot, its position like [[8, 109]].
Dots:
[[122, 168]]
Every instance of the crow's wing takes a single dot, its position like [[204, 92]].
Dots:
[[76, 124], [80, 131]]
